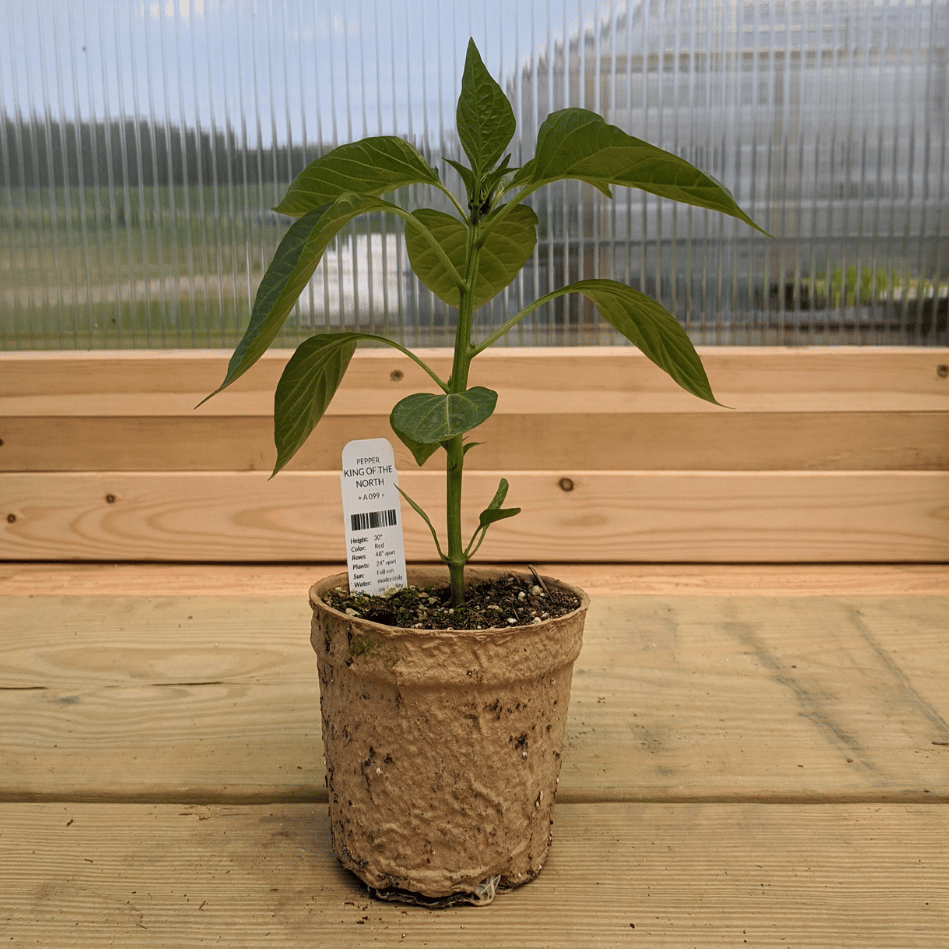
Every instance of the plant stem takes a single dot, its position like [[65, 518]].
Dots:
[[456, 555], [407, 352], [514, 320], [451, 197], [455, 448], [433, 241]]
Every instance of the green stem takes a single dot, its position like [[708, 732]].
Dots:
[[456, 554], [447, 191], [514, 320], [455, 448], [475, 543], [433, 242], [503, 210], [490, 224], [410, 354]]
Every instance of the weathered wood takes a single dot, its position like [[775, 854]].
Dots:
[[866, 877], [602, 580], [675, 699], [725, 441], [582, 380], [568, 515]]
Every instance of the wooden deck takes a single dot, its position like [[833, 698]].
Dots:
[[756, 755]]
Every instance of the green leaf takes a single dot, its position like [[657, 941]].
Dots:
[[373, 166], [293, 264], [484, 117], [576, 143], [651, 328], [488, 517], [308, 384], [492, 180], [506, 249], [494, 512], [421, 453], [466, 174], [432, 419]]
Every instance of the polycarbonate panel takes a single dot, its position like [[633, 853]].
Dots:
[[143, 143]]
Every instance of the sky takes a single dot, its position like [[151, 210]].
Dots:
[[278, 69]]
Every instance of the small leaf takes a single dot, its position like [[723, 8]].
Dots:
[[576, 143], [493, 179], [499, 495], [484, 117], [488, 517], [494, 512], [373, 166], [506, 249], [306, 387], [467, 176], [651, 328], [432, 419]]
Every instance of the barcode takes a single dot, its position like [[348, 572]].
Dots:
[[372, 519]]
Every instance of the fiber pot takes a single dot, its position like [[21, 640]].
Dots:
[[443, 748]]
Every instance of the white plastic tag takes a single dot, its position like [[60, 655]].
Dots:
[[372, 515]]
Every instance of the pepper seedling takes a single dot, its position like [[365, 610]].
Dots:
[[466, 259]]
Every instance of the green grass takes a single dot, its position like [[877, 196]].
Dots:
[[125, 271], [157, 268]]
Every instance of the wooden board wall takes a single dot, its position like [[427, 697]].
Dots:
[[825, 455]]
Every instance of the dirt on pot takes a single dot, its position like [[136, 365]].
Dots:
[[509, 600]]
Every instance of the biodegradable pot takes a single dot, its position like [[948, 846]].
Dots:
[[443, 747]]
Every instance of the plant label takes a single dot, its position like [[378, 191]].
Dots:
[[372, 516]]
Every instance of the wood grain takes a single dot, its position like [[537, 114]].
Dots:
[[680, 441], [769, 769], [568, 515], [613, 380], [214, 699], [236, 581], [832, 455], [867, 877]]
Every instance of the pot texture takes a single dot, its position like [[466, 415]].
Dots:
[[442, 747]]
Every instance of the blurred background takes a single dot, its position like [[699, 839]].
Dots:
[[143, 144]]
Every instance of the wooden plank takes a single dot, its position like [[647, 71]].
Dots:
[[612, 380], [724, 441], [215, 699], [237, 581], [568, 515], [866, 877], [764, 699]]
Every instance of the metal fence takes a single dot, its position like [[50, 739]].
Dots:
[[142, 145]]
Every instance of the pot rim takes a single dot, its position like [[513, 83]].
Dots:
[[439, 574]]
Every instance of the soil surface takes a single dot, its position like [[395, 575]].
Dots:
[[510, 600]]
